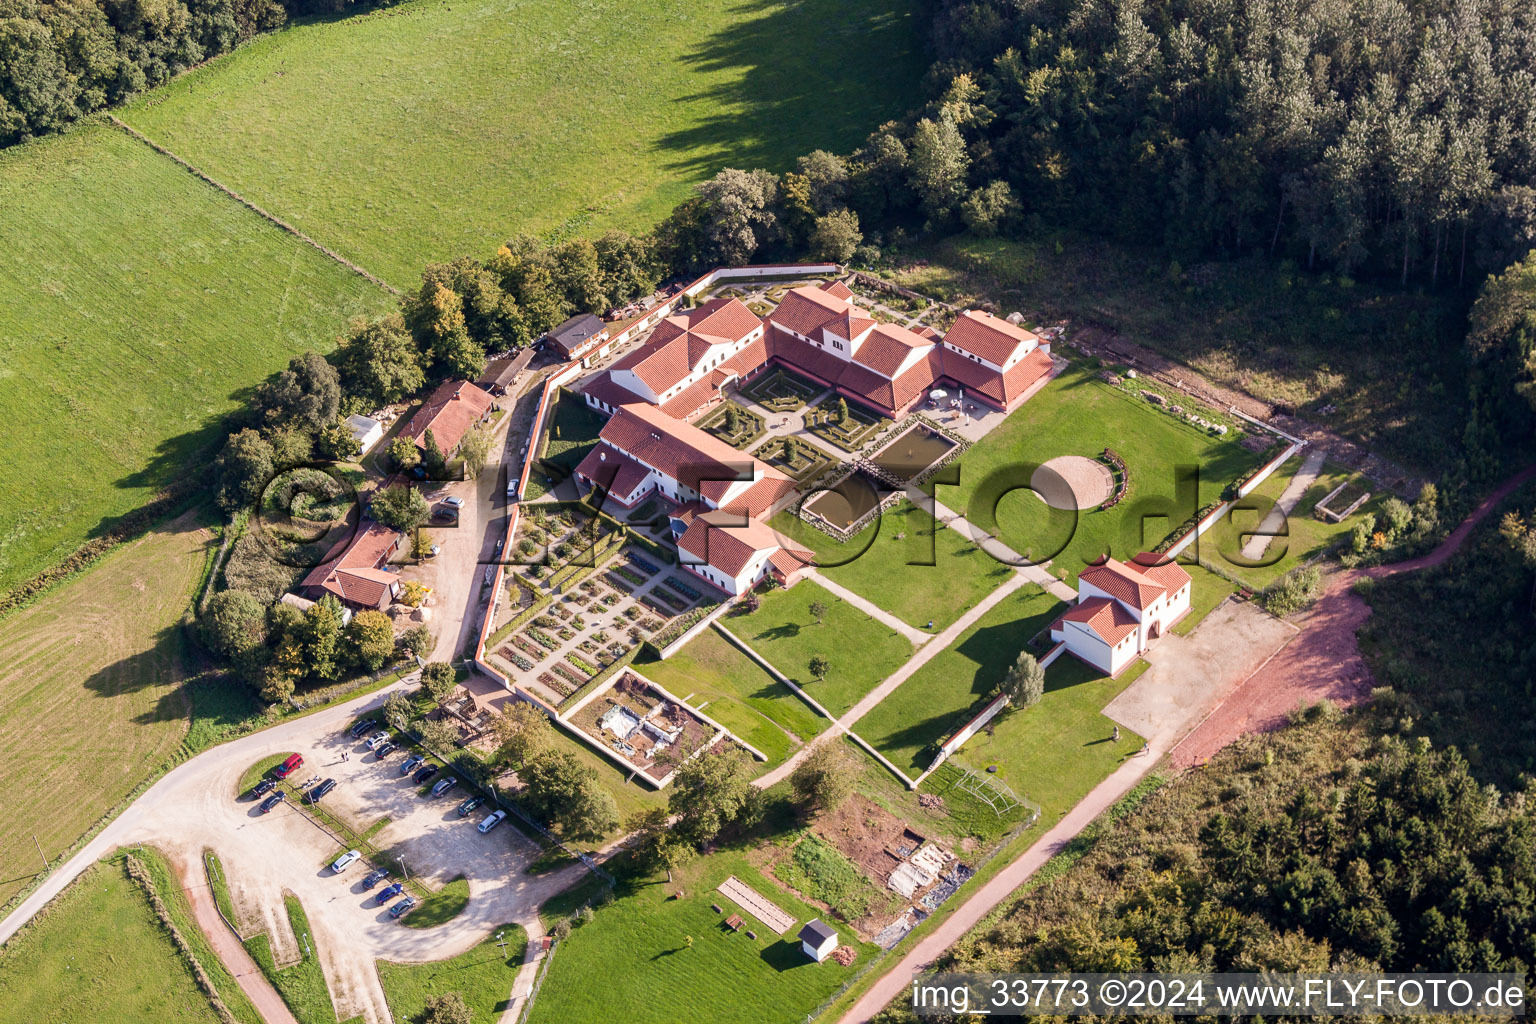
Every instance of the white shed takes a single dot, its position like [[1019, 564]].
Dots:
[[818, 940], [367, 430]]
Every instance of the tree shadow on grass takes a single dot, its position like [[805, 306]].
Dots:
[[781, 632], [774, 105]]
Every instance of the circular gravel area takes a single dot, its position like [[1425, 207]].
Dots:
[[1073, 482]]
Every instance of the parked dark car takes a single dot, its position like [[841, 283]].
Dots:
[[411, 764], [319, 791], [445, 785], [470, 805], [427, 772], [264, 786], [401, 907], [374, 878], [388, 893], [272, 801], [385, 749], [364, 727]]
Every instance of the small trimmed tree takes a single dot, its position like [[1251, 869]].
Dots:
[[823, 780], [842, 410], [448, 1008], [438, 680], [404, 454], [820, 666], [433, 456], [1024, 682], [370, 638], [818, 611], [732, 419]]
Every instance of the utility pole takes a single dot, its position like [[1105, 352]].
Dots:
[[40, 852], [502, 943], [403, 870], [306, 944]]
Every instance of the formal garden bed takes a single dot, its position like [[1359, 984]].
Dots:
[[846, 424], [781, 390], [736, 426], [800, 460]]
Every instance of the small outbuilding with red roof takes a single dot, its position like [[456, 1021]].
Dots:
[[1121, 609]]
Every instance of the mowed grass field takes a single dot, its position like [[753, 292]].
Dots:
[[99, 954], [713, 675], [135, 301], [90, 693], [429, 130], [860, 651], [650, 959], [905, 564], [1175, 469]]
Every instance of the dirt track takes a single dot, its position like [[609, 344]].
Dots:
[[1324, 660]]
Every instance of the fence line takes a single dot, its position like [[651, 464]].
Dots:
[[237, 197]]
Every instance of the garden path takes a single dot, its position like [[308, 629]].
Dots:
[[868, 607], [991, 545], [1256, 545], [873, 698]]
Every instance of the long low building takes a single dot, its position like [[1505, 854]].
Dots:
[[820, 332], [642, 452]]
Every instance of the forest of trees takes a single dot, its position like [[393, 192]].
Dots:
[[64, 59], [1337, 844]]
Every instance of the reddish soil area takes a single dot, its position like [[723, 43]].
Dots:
[[1323, 661], [868, 835]]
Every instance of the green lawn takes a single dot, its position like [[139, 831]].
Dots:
[[944, 693], [924, 576], [92, 699], [630, 796], [649, 974], [861, 650], [1077, 414], [429, 130], [136, 303], [1058, 750], [1306, 536], [738, 693], [302, 985], [99, 954], [483, 976], [444, 905], [573, 432], [1206, 591]]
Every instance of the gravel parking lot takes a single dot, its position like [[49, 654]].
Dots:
[[195, 808]]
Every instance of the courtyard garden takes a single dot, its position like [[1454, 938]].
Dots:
[[1176, 469], [904, 563], [859, 650], [736, 425], [781, 390], [848, 425], [939, 697]]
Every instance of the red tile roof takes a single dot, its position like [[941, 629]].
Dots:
[[1124, 583], [679, 343], [612, 470], [452, 409], [887, 347], [1160, 569], [987, 336], [807, 308], [351, 568], [838, 289], [1106, 618], [609, 391], [1000, 389], [720, 540], [680, 450]]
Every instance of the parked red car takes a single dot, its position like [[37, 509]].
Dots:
[[289, 766]]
